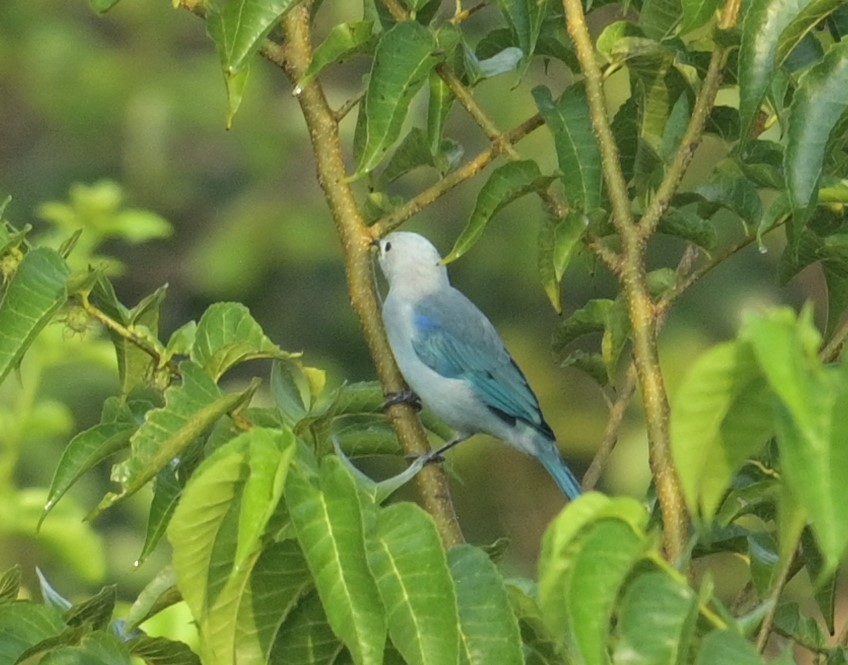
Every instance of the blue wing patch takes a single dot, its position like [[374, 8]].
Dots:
[[466, 346]]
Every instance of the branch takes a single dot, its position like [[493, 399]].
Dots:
[[639, 303], [398, 216], [356, 238]]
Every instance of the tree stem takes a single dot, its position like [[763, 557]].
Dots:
[[641, 310], [356, 240]]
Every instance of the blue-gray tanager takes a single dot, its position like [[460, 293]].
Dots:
[[453, 359]]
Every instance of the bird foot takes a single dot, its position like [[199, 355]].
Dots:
[[402, 397]]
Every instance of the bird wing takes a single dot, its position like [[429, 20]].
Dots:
[[455, 339]]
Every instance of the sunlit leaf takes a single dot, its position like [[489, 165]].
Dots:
[[721, 416], [656, 620], [34, 294], [191, 408], [810, 423], [228, 335], [488, 627], [408, 561], [327, 513]]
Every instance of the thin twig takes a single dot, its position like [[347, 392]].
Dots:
[[399, 215], [612, 430]]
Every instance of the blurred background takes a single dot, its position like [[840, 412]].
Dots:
[[137, 99]]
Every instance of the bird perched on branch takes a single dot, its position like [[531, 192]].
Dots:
[[453, 359]]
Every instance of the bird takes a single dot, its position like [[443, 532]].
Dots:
[[453, 359]]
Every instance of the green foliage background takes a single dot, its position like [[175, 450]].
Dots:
[[136, 98]]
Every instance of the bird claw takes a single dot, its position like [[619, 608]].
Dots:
[[402, 397]]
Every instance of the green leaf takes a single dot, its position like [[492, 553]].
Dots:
[[762, 25], [217, 532], [228, 335], [236, 83], [559, 242], [167, 490], [696, 13], [578, 154], [539, 644], [134, 364], [591, 318], [412, 152], [402, 63], [10, 584], [729, 189], [721, 416], [34, 294], [587, 552], [811, 16], [343, 41], [721, 647], [94, 612], [408, 562], [278, 582], [239, 27], [191, 408], [161, 592], [690, 226], [659, 18], [306, 637], [811, 428], [24, 624], [162, 651], [327, 513], [488, 627], [98, 648], [439, 105], [506, 183], [818, 103], [656, 621], [524, 18], [84, 452]]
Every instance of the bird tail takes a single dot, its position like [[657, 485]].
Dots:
[[556, 466]]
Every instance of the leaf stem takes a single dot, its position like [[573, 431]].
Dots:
[[356, 240]]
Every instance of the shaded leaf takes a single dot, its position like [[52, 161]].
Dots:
[[402, 63], [343, 41], [84, 452], [762, 25], [506, 183], [228, 335], [818, 104], [578, 153]]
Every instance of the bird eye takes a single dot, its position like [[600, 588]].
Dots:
[[388, 246]]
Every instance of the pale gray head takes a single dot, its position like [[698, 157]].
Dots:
[[409, 260]]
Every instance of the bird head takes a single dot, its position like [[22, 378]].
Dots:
[[410, 259]]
